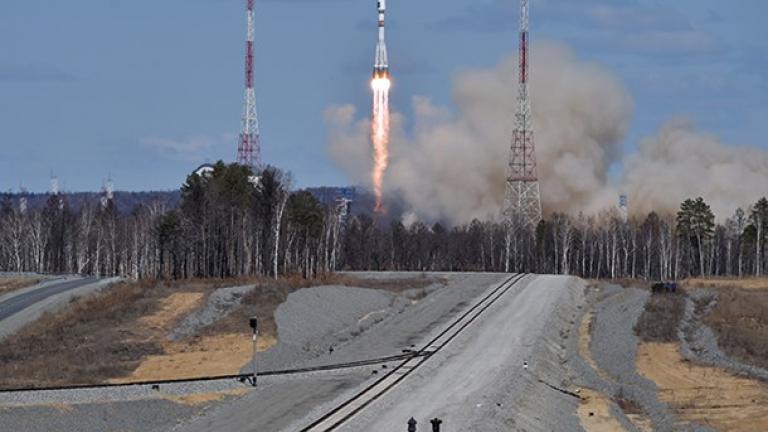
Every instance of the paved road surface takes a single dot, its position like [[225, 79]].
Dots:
[[26, 305], [22, 301]]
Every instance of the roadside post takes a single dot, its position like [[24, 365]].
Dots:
[[255, 326]]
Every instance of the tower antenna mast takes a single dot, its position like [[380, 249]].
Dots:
[[522, 200], [249, 146]]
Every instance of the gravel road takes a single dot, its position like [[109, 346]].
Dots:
[[472, 384]]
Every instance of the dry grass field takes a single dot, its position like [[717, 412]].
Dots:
[[13, 283], [705, 395], [740, 317], [595, 413], [748, 283]]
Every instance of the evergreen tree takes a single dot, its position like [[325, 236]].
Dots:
[[696, 224]]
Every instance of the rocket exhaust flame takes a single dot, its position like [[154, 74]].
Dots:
[[380, 84], [380, 137]]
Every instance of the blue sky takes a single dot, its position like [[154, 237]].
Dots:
[[143, 91]]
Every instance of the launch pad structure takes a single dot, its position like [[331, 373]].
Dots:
[[522, 199]]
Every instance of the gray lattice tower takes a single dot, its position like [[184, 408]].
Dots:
[[522, 201], [249, 145]]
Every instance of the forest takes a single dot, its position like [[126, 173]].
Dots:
[[230, 223]]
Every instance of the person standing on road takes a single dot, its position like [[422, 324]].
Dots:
[[525, 364]]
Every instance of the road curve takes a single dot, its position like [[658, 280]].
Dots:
[[20, 302], [25, 306]]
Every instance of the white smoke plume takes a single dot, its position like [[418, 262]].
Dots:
[[680, 162], [451, 166]]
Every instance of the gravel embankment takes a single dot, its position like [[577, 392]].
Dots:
[[220, 303], [699, 343], [614, 349], [112, 394], [583, 374], [312, 320], [142, 415], [363, 323], [541, 406]]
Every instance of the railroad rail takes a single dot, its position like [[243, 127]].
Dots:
[[345, 411], [240, 377]]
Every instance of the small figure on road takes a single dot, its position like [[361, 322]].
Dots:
[[436, 422], [330, 350], [412, 425], [525, 364]]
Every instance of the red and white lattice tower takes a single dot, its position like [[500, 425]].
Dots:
[[249, 146], [522, 201]]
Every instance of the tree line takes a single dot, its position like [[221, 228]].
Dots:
[[233, 223]]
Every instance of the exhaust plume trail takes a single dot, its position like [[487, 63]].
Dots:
[[380, 137], [380, 84]]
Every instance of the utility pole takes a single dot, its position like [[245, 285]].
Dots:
[[255, 327]]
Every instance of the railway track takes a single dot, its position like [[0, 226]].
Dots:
[[240, 377], [345, 411]]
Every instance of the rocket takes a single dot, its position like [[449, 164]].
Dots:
[[381, 63]]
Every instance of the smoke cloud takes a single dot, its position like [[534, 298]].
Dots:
[[451, 165], [680, 162]]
